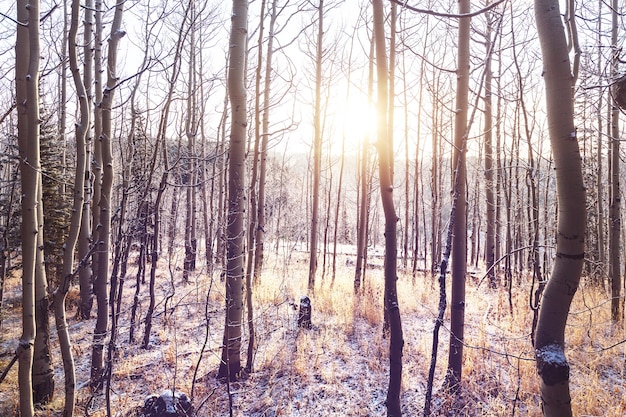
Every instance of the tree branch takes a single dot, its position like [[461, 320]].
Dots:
[[404, 5]]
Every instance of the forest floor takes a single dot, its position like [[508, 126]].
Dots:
[[340, 366]]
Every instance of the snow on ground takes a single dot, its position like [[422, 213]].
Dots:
[[340, 366]]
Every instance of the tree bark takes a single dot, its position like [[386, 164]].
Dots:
[[104, 203], [459, 242], [615, 196], [384, 144], [260, 228], [43, 371], [317, 147], [27, 97], [364, 207], [81, 128], [552, 364], [489, 168], [252, 221], [85, 274], [230, 365]]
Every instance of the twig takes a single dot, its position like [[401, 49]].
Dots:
[[8, 368], [6, 16], [506, 255]]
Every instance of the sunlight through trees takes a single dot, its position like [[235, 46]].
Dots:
[[197, 168]]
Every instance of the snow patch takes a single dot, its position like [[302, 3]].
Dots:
[[552, 354]]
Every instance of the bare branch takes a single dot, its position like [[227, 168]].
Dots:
[[404, 5], [6, 16]]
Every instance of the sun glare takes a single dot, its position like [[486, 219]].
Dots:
[[357, 118]]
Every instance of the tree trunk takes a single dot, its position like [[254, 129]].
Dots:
[[43, 371], [385, 155], [364, 207], [96, 160], [27, 96], [317, 148], [252, 225], [489, 168], [260, 228], [189, 168], [552, 364], [154, 255], [435, 185], [600, 214], [230, 365], [104, 203], [76, 220], [615, 197], [459, 242], [84, 240]]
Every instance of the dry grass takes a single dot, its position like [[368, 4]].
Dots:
[[338, 368]]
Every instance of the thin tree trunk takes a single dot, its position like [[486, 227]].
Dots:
[[363, 208], [600, 215], [43, 371], [85, 274], [615, 196], [385, 172], [341, 171], [230, 365], [96, 161], [154, 256], [459, 242], [76, 219], [533, 199], [252, 226], [489, 168], [5, 251], [189, 169], [260, 228], [328, 207], [104, 228], [435, 215], [317, 148], [26, 86]]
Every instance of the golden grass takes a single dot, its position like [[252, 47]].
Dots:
[[340, 366]]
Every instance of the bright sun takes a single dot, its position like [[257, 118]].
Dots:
[[356, 119]]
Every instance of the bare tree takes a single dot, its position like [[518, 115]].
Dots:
[[104, 202], [459, 241], [363, 208], [317, 147], [27, 49], [60, 294], [190, 176], [85, 274], [614, 190], [384, 145], [552, 364], [265, 122], [490, 239], [230, 365]]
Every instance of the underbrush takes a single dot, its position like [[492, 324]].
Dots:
[[339, 367]]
